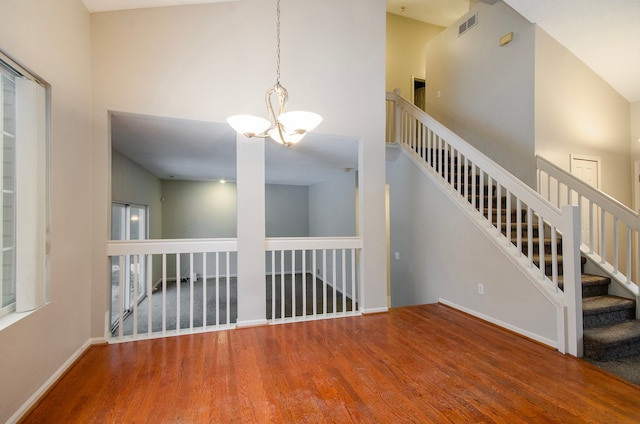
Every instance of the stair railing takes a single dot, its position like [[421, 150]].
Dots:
[[612, 241], [473, 180]]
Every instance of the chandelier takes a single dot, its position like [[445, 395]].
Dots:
[[286, 127]]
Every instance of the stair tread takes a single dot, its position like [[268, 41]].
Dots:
[[536, 257], [607, 303], [615, 334], [590, 279]]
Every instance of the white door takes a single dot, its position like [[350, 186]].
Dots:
[[588, 170], [128, 222]]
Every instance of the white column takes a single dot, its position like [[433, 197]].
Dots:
[[571, 231], [251, 231]]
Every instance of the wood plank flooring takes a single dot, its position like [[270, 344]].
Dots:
[[423, 364]]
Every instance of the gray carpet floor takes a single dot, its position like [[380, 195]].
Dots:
[[217, 304], [625, 368]]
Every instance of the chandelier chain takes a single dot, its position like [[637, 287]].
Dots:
[[278, 41]]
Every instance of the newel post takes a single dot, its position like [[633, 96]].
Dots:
[[571, 231], [398, 117]]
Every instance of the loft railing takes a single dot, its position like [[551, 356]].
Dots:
[[610, 229], [311, 278], [512, 221], [161, 288]]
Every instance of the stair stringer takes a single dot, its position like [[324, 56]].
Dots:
[[532, 274]]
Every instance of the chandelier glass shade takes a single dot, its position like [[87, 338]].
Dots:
[[284, 127]]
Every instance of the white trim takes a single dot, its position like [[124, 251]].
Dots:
[[42, 390], [366, 311], [596, 159], [251, 323], [12, 317], [518, 330]]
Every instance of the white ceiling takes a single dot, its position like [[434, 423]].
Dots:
[[184, 149], [436, 12], [603, 34], [106, 5]]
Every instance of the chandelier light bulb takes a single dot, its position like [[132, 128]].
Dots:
[[289, 139], [299, 121], [249, 125]]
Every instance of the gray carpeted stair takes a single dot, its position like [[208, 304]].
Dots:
[[610, 328], [613, 342], [606, 310]]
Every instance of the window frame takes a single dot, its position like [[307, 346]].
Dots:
[[30, 183]]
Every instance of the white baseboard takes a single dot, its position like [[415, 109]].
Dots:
[[366, 311], [525, 333], [35, 397], [251, 323]]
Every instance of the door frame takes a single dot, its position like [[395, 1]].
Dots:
[[598, 161]]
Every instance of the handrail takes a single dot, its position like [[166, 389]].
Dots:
[[465, 173], [514, 185], [308, 243], [606, 216], [170, 246], [622, 211]]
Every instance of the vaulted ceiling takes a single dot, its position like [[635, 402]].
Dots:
[[605, 35]]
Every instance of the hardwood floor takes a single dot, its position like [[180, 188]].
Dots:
[[424, 364]]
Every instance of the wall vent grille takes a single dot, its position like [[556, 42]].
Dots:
[[468, 24]]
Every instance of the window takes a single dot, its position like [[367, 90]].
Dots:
[[23, 189], [7, 190]]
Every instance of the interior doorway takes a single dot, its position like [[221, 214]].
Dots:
[[587, 169], [419, 88]]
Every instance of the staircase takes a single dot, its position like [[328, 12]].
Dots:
[[527, 225], [610, 328]]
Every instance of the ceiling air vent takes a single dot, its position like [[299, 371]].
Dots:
[[468, 24]]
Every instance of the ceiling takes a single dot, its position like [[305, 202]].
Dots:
[[183, 149], [436, 12], [603, 34]]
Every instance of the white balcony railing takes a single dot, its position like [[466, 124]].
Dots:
[[172, 287], [161, 288], [310, 278]]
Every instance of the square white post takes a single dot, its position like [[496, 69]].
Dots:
[[252, 294]]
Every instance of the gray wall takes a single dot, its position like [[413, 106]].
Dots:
[[332, 213], [198, 209], [130, 183], [332, 206], [205, 209], [484, 92], [443, 255], [287, 210]]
